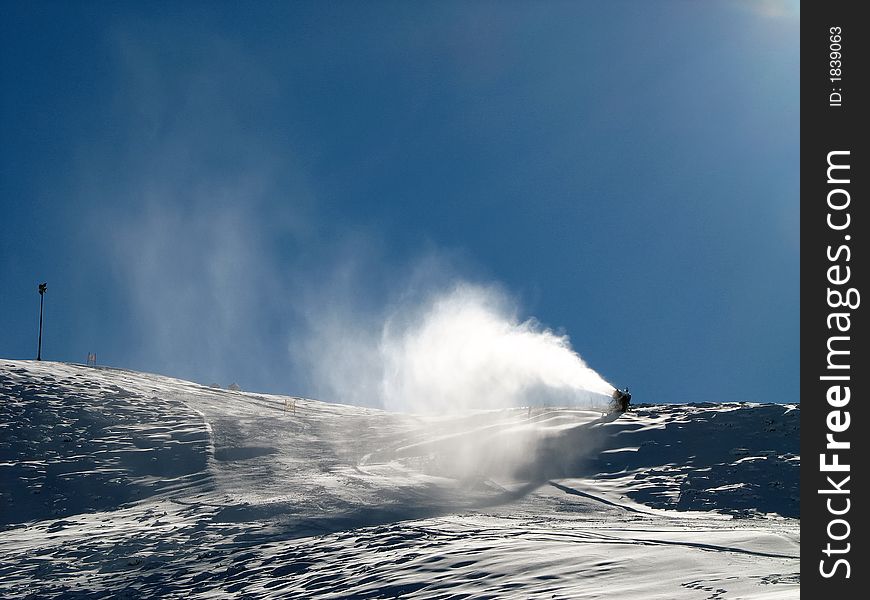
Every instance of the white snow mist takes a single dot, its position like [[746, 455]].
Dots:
[[460, 349]]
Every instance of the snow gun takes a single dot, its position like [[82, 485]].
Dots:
[[621, 399]]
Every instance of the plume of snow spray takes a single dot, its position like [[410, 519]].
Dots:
[[445, 349], [467, 349], [457, 349]]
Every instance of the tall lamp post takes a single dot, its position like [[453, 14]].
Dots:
[[42, 287]]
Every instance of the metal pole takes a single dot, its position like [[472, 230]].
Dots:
[[41, 298]]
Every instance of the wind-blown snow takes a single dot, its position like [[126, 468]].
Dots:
[[454, 347], [467, 350], [127, 484]]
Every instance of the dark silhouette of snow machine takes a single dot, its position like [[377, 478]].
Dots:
[[621, 400]]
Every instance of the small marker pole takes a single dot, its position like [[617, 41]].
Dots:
[[42, 287]]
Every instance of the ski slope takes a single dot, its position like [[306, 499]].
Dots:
[[125, 484]]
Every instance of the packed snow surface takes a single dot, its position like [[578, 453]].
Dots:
[[124, 484]]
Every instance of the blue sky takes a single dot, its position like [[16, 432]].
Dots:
[[197, 181]]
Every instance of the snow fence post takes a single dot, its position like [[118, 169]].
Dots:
[[42, 288]]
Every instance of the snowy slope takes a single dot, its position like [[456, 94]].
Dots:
[[128, 484]]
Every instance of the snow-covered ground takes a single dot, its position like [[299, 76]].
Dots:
[[124, 484]]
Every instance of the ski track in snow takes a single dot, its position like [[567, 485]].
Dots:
[[124, 484]]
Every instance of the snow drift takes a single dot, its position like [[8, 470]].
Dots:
[[114, 482]]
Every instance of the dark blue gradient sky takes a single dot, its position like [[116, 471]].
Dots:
[[193, 179]]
